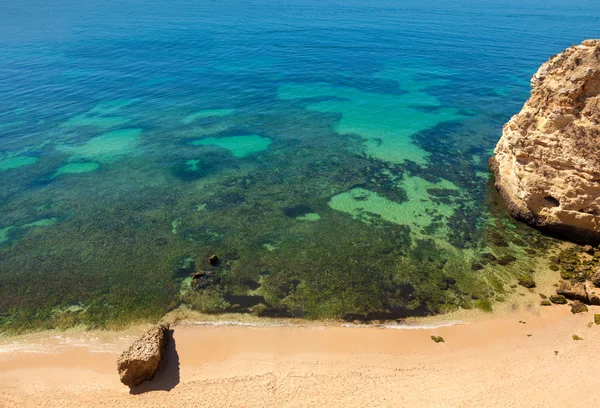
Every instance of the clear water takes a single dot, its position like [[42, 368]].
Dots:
[[332, 154]]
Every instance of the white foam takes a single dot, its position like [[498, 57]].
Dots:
[[423, 326], [394, 326], [95, 345], [242, 324]]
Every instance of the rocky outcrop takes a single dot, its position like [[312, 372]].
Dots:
[[547, 163], [593, 294], [573, 291], [140, 362], [581, 291], [596, 278]]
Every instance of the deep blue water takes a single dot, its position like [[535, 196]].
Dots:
[[333, 154]]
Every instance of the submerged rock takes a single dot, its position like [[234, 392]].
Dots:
[[547, 163], [140, 362], [186, 266], [203, 279]]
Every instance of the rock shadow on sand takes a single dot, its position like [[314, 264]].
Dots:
[[167, 376]]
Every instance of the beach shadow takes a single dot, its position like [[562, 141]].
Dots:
[[167, 376]]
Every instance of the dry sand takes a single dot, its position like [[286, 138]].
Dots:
[[486, 363]]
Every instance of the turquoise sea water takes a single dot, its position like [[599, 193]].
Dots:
[[332, 154]]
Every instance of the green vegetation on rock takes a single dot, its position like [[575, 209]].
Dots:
[[558, 299]]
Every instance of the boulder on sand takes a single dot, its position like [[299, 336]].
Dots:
[[578, 307], [574, 291], [140, 362]]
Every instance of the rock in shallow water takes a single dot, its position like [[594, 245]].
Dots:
[[547, 163], [140, 362]]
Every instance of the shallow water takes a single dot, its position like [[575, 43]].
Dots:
[[332, 154]]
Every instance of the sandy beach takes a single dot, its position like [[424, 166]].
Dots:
[[498, 361]]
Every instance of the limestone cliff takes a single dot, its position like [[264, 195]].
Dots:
[[547, 163]]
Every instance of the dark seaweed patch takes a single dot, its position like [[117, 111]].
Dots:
[[297, 211]]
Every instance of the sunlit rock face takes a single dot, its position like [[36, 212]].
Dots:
[[547, 163]]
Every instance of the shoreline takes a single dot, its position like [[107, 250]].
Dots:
[[517, 298], [328, 366], [522, 299], [242, 360]]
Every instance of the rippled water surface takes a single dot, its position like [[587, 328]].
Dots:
[[333, 155]]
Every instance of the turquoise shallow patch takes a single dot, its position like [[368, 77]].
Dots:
[[44, 222], [7, 125], [101, 115], [239, 146], [96, 121], [192, 165], [7, 163], [76, 168], [4, 234], [111, 106], [106, 147], [206, 113], [386, 121]]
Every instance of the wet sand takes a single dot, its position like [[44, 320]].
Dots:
[[490, 362]]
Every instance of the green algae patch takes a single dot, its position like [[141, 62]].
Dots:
[[107, 147], [309, 217], [68, 309], [417, 212], [14, 162], [186, 285], [270, 247], [239, 146], [175, 224], [76, 168], [206, 113]]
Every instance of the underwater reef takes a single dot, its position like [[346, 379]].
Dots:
[[304, 226]]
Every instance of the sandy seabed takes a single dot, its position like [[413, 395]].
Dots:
[[497, 361]]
